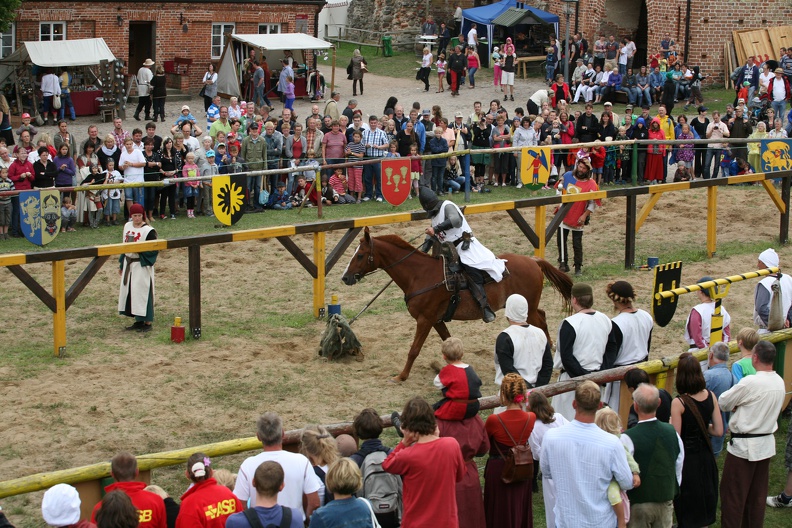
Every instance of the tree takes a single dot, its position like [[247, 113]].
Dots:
[[8, 13]]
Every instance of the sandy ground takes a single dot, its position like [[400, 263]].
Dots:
[[259, 351]]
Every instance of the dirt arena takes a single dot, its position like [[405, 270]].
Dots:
[[117, 390]]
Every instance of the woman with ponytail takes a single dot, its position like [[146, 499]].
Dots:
[[206, 503]]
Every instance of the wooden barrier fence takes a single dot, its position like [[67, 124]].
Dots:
[[321, 262], [88, 479]]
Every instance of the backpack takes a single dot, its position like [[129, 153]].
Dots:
[[328, 495], [255, 522], [382, 489]]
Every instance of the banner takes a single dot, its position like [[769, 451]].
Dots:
[[535, 166], [40, 215], [396, 180], [775, 155], [228, 198]]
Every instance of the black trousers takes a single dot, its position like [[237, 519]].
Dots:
[[144, 102], [577, 246], [699, 152]]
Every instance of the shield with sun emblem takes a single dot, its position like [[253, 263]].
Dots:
[[228, 197]]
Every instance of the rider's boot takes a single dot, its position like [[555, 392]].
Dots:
[[478, 292]]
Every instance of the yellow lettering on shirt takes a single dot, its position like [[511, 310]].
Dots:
[[222, 508], [144, 516]]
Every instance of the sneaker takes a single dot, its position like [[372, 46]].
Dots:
[[366, 199], [396, 421], [519, 185], [379, 199], [173, 217], [777, 501], [511, 98]]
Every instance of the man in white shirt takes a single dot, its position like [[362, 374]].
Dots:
[[300, 481], [472, 36], [144, 77], [582, 488], [522, 348], [50, 87], [755, 403]]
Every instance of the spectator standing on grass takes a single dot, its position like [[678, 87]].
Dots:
[[755, 403], [346, 511], [718, 379], [60, 507], [150, 507], [268, 481], [206, 503]]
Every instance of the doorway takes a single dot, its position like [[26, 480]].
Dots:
[[642, 39], [142, 38]]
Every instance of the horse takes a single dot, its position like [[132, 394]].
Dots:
[[421, 278]]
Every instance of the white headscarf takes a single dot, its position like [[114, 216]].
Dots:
[[769, 257], [516, 308]]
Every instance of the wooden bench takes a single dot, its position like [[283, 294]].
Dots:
[[522, 64]]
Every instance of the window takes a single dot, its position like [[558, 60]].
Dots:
[[52, 31], [7, 42], [218, 38], [269, 29]]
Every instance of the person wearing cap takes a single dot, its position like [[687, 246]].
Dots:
[[136, 293], [185, 115], [585, 344], [150, 506], [209, 168], [763, 293], [739, 127], [575, 181], [699, 321], [206, 503], [450, 226], [779, 92], [632, 334], [144, 78], [60, 507], [23, 127], [331, 108], [522, 348], [577, 74]]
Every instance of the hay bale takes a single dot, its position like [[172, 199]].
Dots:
[[338, 340]]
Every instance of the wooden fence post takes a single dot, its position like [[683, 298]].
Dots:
[[712, 220], [540, 221], [629, 231], [194, 286], [319, 281], [59, 315], [783, 235]]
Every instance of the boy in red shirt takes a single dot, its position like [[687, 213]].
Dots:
[[150, 507]]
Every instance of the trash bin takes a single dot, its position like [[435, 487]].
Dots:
[[454, 42], [387, 47]]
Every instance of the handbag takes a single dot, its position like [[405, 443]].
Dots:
[[202, 92], [374, 522], [518, 463], [56, 102], [690, 404]]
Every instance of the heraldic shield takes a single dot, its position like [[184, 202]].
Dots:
[[776, 155], [535, 166], [228, 198], [40, 215], [396, 180]]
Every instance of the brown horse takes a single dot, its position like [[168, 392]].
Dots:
[[421, 279]]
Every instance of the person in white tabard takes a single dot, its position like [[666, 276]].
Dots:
[[521, 348], [632, 333], [136, 294], [699, 321], [449, 225], [763, 294], [585, 344]]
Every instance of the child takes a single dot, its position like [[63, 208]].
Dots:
[[454, 180], [726, 161], [549, 65], [26, 126], [68, 215], [94, 199], [607, 420], [338, 181], [682, 173], [328, 194], [696, 97], [623, 158], [319, 446], [112, 196], [746, 340], [356, 149], [597, 155], [268, 481], [393, 150], [298, 193], [210, 169], [610, 161], [416, 169], [288, 93], [185, 116], [441, 71], [459, 383], [5, 203], [742, 93], [191, 188], [496, 68], [279, 200], [740, 166]]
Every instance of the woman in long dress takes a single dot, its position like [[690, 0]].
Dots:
[[508, 505], [546, 419], [655, 154], [696, 416]]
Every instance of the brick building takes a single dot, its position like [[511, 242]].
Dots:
[[163, 29]]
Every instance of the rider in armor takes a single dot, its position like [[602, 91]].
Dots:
[[449, 225]]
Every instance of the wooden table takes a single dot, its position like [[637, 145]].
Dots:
[[522, 64]]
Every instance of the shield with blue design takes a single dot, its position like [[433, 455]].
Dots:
[[40, 215], [535, 166], [776, 155]]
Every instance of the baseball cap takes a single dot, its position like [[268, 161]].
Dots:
[[25, 116], [185, 107], [426, 111], [608, 104], [628, 107], [61, 505], [458, 114], [702, 109], [210, 153], [221, 145], [740, 100]]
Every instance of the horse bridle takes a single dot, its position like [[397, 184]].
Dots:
[[370, 259]]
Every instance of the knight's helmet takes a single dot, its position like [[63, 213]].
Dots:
[[428, 200]]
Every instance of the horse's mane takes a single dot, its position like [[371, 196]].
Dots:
[[397, 241]]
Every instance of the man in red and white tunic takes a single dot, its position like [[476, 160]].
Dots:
[[136, 294]]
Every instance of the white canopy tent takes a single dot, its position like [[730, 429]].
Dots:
[[65, 53], [229, 74]]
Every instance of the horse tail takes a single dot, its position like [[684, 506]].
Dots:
[[559, 280]]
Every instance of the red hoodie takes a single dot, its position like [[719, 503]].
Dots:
[[597, 157], [207, 504], [150, 506]]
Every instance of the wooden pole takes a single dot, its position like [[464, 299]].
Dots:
[[59, 316], [194, 286], [712, 220], [629, 232], [783, 234], [540, 224], [332, 75], [319, 281]]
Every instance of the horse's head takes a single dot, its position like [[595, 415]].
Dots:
[[362, 262]]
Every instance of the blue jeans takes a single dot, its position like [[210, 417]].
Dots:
[[622, 69], [780, 109], [253, 185], [15, 230], [465, 162], [633, 94], [472, 76], [712, 154], [645, 97], [135, 194], [437, 178], [261, 96], [372, 176], [456, 184], [66, 102]]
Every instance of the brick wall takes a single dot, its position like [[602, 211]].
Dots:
[[91, 20], [712, 23]]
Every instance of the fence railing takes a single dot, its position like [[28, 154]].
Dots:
[[88, 479]]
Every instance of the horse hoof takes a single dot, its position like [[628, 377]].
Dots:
[[395, 379]]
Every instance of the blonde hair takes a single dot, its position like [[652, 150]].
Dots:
[[452, 349], [153, 488], [587, 396], [748, 336], [3, 104], [343, 477], [318, 445], [225, 478], [607, 420]]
